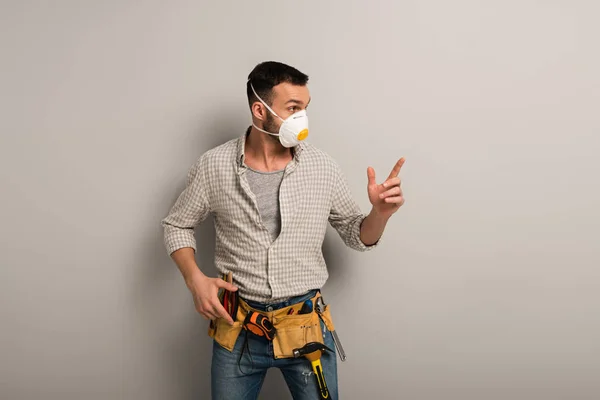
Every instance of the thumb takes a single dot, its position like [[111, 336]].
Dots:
[[371, 175], [226, 285]]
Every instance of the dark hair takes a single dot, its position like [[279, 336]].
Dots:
[[268, 74]]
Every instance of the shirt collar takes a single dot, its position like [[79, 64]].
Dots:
[[241, 146]]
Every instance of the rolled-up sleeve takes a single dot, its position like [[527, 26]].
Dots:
[[189, 210], [345, 215]]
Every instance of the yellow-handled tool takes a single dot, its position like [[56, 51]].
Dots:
[[313, 351]]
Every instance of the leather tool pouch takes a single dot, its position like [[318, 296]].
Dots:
[[223, 333], [292, 331]]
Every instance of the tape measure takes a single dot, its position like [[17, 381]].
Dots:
[[259, 324]]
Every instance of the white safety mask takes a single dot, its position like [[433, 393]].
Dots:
[[293, 129]]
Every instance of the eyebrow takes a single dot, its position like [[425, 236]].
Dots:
[[298, 101]]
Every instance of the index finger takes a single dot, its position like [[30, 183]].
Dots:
[[396, 169], [220, 311]]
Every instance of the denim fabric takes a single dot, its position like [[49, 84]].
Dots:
[[230, 383]]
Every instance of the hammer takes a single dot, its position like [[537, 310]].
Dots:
[[312, 351]]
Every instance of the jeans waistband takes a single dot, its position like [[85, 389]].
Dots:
[[282, 304]]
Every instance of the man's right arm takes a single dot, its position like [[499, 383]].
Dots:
[[185, 260], [190, 209], [204, 289]]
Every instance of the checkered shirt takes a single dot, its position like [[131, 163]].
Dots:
[[313, 192]]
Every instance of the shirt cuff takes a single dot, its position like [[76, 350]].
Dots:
[[178, 239]]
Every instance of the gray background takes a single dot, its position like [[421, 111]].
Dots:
[[487, 283]]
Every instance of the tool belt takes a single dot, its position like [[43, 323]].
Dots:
[[291, 331]]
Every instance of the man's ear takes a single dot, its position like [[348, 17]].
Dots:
[[258, 111]]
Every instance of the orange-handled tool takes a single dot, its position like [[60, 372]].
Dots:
[[259, 324]]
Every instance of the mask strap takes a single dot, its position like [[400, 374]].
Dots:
[[262, 130], [265, 104]]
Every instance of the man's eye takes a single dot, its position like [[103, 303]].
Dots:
[[293, 109]]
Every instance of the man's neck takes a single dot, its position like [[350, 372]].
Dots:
[[262, 153]]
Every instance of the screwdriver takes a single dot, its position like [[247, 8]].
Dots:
[[307, 307]]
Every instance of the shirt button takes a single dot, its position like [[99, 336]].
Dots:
[[269, 309]]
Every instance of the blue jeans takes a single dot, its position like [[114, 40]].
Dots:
[[229, 383]]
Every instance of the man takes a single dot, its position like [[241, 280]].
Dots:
[[271, 194]]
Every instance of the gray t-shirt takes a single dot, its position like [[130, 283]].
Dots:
[[265, 186]]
